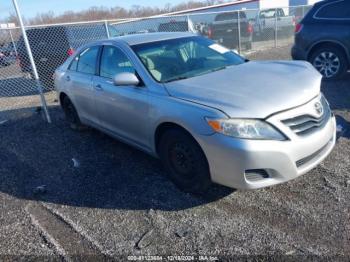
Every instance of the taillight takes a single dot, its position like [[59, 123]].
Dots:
[[250, 28], [210, 32], [298, 28], [70, 51]]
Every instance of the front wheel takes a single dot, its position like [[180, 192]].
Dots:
[[330, 62], [185, 161]]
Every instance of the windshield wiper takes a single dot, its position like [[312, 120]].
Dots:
[[218, 69], [175, 79], [212, 70], [202, 73]]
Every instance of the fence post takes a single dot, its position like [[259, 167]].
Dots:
[[189, 23], [276, 27], [239, 32], [30, 55], [107, 29]]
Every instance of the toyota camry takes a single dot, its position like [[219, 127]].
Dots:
[[210, 115]]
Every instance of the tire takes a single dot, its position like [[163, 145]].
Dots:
[[71, 114], [185, 161], [323, 58]]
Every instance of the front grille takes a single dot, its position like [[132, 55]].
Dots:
[[311, 157], [306, 124]]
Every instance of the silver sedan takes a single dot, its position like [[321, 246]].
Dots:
[[207, 113]]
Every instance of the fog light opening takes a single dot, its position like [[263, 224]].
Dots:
[[255, 175]]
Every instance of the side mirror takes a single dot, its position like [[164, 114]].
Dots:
[[126, 79]]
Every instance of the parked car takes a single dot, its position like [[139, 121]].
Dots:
[[5, 60], [225, 30], [207, 113], [323, 38], [268, 20], [53, 44], [7, 54]]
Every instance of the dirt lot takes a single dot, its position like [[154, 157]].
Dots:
[[64, 193]]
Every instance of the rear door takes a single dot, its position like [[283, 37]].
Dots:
[[79, 79], [122, 110], [335, 20]]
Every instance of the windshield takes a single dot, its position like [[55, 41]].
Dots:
[[182, 58]]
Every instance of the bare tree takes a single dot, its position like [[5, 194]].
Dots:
[[100, 12]]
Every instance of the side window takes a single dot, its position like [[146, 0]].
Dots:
[[269, 13], [74, 64], [114, 61], [87, 60], [336, 10], [280, 13]]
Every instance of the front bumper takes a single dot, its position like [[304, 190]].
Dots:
[[230, 158]]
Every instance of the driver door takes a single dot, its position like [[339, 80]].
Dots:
[[122, 110]]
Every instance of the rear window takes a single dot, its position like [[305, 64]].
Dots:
[[269, 13], [230, 16], [336, 10]]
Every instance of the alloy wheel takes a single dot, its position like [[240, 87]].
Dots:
[[327, 63]]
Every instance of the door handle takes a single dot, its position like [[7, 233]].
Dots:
[[68, 78], [98, 87]]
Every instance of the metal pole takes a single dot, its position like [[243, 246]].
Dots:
[[239, 32], [188, 23], [31, 59], [276, 28], [107, 29], [13, 42]]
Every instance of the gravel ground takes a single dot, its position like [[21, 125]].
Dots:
[[121, 204]]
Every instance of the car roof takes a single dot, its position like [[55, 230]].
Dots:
[[136, 39]]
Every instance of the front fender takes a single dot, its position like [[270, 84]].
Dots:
[[188, 115]]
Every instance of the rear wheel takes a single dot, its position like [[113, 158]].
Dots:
[[330, 62], [185, 161], [71, 114]]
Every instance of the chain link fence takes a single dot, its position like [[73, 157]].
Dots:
[[245, 31], [17, 88]]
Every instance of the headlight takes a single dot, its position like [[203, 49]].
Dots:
[[246, 128]]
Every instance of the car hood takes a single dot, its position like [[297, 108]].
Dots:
[[253, 89]]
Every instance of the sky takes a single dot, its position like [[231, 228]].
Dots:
[[30, 8]]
